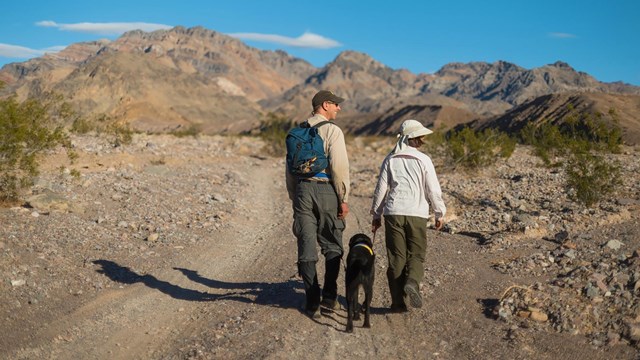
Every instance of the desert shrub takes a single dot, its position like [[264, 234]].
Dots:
[[577, 133], [435, 144], [600, 134], [119, 133], [580, 138], [192, 130], [273, 130], [591, 177], [82, 126], [472, 149], [547, 141], [28, 130]]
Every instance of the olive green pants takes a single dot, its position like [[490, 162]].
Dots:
[[406, 241], [315, 222]]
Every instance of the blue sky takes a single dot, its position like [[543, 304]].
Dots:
[[597, 37]]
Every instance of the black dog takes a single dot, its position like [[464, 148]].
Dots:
[[360, 272]]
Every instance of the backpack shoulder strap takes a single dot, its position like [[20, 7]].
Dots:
[[321, 123], [305, 124]]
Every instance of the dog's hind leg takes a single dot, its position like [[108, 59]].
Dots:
[[367, 306], [351, 308]]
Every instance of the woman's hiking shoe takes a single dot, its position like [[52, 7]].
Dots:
[[412, 290]]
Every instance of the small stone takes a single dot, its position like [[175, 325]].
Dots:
[[561, 236], [17, 283], [634, 332], [538, 316], [524, 314], [219, 198], [153, 237], [591, 291], [614, 244]]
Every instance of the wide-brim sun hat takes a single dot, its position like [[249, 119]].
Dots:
[[413, 129]]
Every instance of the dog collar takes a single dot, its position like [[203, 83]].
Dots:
[[364, 246]]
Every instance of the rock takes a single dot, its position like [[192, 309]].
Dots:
[[633, 331], [614, 244], [538, 316], [219, 198], [153, 237], [48, 201], [561, 236], [591, 291], [17, 283]]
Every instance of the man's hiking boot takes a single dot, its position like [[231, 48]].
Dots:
[[412, 290], [314, 314], [329, 305]]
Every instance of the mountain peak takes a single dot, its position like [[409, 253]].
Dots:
[[561, 65]]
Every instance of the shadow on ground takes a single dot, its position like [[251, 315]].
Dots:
[[283, 295]]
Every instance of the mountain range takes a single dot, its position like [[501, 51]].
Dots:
[[171, 79]]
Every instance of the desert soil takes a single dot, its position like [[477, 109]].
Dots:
[[181, 248]]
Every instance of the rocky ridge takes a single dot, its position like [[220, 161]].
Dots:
[[183, 77]]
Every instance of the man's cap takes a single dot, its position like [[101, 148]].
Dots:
[[413, 129], [325, 95]]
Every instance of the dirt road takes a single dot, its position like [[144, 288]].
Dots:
[[220, 282]]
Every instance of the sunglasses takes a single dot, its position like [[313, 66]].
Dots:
[[334, 103]]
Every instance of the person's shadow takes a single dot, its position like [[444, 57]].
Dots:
[[283, 295]]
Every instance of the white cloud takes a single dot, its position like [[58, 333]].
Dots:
[[21, 52], [561, 35], [306, 40], [115, 28]]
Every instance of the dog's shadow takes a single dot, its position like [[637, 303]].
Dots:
[[282, 295]]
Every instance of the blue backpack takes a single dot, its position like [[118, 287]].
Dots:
[[305, 151]]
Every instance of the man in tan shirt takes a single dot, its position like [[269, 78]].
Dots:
[[320, 208]]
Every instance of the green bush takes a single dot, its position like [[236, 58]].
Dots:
[[547, 141], [82, 126], [29, 129], [577, 133], [192, 130], [591, 178], [274, 131], [471, 149], [119, 134], [579, 138]]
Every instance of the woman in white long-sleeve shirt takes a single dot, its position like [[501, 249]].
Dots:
[[406, 185]]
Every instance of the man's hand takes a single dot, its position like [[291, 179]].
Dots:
[[375, 224], [343, 211], [439, 224]]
